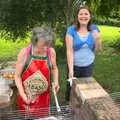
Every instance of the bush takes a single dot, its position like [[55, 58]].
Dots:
[[115, 44]]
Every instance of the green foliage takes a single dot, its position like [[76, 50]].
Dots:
[[9, 50], [17, 17], [105, 12], [115, 44], [108, 34]]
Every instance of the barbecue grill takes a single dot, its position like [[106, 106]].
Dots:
[[64, 114], [52, 113]]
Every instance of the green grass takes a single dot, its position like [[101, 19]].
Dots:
[[107, 64], [9, 50], [109, 34], [106, 72]]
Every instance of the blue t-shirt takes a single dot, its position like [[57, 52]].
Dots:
[[83, 46]]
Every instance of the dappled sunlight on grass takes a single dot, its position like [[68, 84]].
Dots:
[[109, 33], [10, 49]]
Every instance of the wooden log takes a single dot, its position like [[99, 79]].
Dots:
[[91, 102]]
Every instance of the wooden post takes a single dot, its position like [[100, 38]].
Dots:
[[91, 102]]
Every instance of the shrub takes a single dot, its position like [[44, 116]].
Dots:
[[115, 44]]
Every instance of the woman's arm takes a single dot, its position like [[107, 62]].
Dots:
[[19, 67], [96, 35], [98, 43], [54, 69], [69, 52]]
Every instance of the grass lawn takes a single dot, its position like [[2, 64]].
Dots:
[[10, 50], [107, 64], [109, 34], [107, 72]]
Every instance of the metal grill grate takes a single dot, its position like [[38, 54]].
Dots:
[[64, 114]]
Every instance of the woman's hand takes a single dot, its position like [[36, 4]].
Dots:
[[98, 46], [98, 43], [70, 75], [56, 86], [25, 99]]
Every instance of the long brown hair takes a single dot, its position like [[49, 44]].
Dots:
[[76, 22]]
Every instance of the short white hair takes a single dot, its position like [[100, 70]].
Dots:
[[42, 33]]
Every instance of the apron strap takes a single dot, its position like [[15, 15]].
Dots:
[[49, 57], [28, 52]]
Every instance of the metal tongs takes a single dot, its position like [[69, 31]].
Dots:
[[56, 99]]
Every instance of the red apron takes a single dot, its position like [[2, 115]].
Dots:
[[40, 106]]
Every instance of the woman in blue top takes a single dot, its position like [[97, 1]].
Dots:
[[82, 39]]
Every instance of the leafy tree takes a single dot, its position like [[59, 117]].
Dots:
[[19, 16]]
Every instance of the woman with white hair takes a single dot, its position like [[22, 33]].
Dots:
[[34, 66]]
